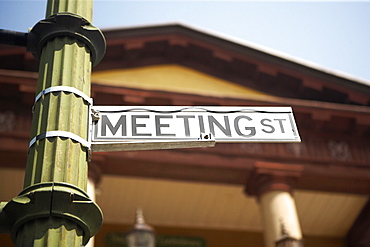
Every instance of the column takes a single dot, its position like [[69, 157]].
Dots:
[[57, 164], [273, 184]]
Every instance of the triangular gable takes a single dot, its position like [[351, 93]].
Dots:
[[172, 78], [231, 60]]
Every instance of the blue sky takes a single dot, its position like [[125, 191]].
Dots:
[[331, 34]]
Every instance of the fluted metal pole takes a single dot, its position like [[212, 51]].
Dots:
[[65, 61]]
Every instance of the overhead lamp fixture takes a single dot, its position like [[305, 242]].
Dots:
[[141, 235]]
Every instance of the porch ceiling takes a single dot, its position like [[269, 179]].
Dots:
[[205, 205]]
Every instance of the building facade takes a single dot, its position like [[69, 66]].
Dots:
[[240, 194]]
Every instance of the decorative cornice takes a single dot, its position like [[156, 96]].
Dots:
[[268, 176]]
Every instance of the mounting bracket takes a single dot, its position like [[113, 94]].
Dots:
[[67, 24], [53, 199]]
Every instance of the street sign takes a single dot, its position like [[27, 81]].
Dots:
[[122, 125]]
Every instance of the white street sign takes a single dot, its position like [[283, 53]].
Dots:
[[113, 125]]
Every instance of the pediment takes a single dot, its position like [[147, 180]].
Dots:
[[239, 62], [173, 78]]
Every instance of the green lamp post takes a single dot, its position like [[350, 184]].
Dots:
[[54, 209]]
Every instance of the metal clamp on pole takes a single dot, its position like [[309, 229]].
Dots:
[[51, 200], [63, 134], [64, 89], [67, 24]]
